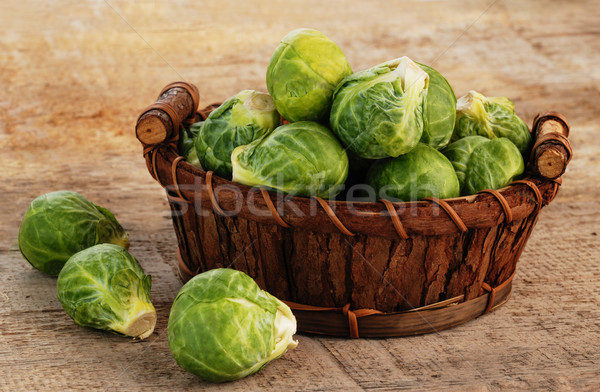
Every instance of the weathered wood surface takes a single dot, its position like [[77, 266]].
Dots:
[[76, 77]]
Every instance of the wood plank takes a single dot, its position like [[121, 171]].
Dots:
[[75, 80]]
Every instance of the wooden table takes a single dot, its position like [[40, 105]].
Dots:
[[75, 75]]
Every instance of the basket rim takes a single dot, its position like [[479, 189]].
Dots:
[[461, 213]]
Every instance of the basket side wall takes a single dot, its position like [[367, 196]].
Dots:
[[330, 270]]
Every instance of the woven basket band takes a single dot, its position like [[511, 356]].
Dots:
[[333, 217], [374, 323], [213, 198], [174, 177], [536, 191], [508, 216], [556, 138], [460, 225], [192, 90], [551, 116], [395, 219], [280, 221]]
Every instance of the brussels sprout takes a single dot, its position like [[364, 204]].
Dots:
[[459, 153], [186, 144], [60, 224], [240, 120], [491, 117], [481, 163], [301, 158], [303, 72], [378, 112], [423, 172], [439, 113], [104, 287], [223, 327]]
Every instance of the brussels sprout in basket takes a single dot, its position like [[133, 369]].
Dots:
[[490, 117], [303, 72], [60, 224], [423, 172], [240, 120], [104, 287], [378, 112], [481, 163], [223, 327], [439, 113], [301, 158], [186, 144]]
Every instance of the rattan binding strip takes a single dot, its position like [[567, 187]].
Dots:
[[211, 195], [395, 219], [536, 191], [168, 109], [174, 177], [551, 116], [192, 90], [358, 323], [555, 138], [508, 217], [280, 221], [460, 225], [333, 217]]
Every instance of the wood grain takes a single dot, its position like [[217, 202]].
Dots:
[[102, 73]]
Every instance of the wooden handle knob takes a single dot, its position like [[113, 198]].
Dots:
[[159, 122], [552, 151]]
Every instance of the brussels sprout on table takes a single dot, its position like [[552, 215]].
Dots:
[[423, 172], [302, 74], [223, 327], [491, 117], [186, 144], [378, 112], [301, 158], [240, 120], [439, 113], [104, 287], [59, 224], [481, 163]]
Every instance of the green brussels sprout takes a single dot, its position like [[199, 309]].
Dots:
[[439, 113], [481, 163], [223, 327], [301, 158], [104, 287], [459, 153], [186, 144], [378, 112], [303, 72], [59, 224], [240, 120], [423, 172], [490, 117]]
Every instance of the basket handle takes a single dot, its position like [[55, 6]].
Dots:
[[551, 151], [176, 104]]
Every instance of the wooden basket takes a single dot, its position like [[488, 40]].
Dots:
[[353, 269]]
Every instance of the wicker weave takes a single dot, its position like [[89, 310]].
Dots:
[[356, 269]]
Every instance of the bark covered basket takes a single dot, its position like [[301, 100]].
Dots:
[[346, 268]]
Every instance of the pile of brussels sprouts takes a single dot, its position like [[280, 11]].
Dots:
[[222, 326], [394, 131]]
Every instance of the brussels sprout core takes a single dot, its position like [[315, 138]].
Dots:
[[142, 324], [285, 328]]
